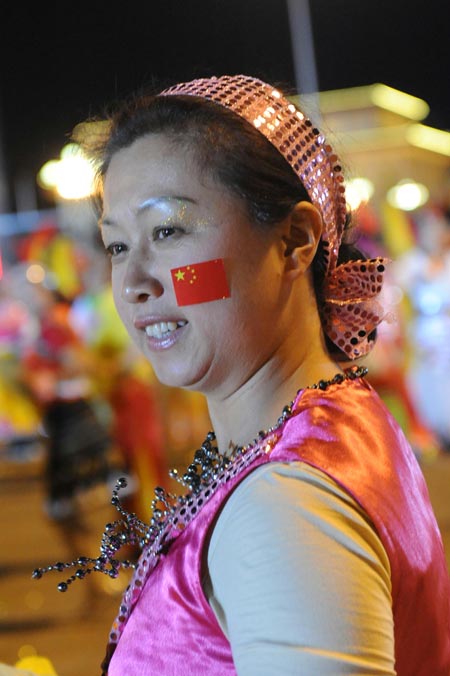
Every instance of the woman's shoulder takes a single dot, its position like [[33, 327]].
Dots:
[[340, 425], [294, 559], [281, 501]]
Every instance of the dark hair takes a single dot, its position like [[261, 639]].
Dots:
[[234, 153]]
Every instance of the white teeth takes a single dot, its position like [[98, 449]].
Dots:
[[159, 329]]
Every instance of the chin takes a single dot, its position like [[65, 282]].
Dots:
[[182, 379]]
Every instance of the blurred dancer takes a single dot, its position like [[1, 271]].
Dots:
[[77, 442], [424, 275]]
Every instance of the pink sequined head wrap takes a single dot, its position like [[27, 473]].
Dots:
[[350, 311]]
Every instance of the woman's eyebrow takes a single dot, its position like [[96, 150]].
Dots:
[[105, 221], [151, 203]]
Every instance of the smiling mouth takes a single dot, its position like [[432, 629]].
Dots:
[[163, 329]]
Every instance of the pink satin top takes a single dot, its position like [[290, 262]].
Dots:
[[346, 432]]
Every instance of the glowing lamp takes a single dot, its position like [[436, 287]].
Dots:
[[399, 102], [436, 140]]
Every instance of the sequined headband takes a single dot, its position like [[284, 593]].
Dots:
[[350, 311]]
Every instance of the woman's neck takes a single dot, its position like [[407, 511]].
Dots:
[[258, 402]]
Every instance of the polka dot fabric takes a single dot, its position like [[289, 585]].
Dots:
[[351, 311]]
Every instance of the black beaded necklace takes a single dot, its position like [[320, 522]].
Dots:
[[168, 509]]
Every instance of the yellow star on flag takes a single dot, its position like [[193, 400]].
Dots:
[[180, 276]]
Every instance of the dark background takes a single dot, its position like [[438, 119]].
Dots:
[[61, 64]]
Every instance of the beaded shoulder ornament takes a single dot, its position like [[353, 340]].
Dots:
[[350, 310], [172, 513]]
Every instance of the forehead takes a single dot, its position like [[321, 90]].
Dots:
[[154, 167], [154, 161]]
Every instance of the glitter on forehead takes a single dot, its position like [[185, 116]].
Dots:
[[164, 203], [292, 134], [172, 208]]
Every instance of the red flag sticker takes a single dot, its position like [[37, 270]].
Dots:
[[200, 282]]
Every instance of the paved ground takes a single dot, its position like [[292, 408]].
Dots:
[[71, 629]]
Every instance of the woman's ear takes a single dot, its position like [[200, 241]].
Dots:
[[303, 229]]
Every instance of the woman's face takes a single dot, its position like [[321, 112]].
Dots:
[[161, 213]]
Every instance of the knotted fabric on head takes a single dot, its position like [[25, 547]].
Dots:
[[350, 311]]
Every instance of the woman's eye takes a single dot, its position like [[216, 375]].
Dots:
[[165, 232], [115, 249]]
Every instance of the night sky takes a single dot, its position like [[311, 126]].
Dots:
[[61, 66]]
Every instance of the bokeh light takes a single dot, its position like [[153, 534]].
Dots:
[[358, 191], [35, 273], [436, 140], [408, 195], [399, 102], [72, 176], [26, 650]]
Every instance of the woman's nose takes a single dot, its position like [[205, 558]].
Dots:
[[140, 283]]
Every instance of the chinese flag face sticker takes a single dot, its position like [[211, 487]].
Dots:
[[200, 282]]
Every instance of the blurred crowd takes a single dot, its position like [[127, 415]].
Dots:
[[74, 393]]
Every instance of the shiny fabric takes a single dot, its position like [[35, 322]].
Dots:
[[346, 432]]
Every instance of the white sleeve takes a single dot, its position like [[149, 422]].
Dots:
[[298, 578]]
